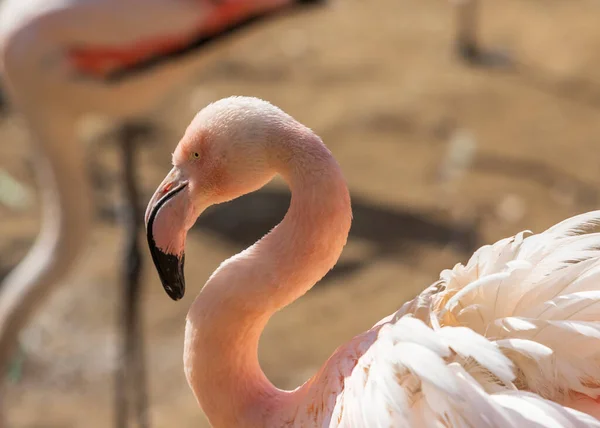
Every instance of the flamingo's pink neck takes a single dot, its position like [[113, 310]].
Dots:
[[226, 320]]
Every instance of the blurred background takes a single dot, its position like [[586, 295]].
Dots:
[[441, 157]]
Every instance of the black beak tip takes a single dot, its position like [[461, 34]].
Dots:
[[170, 271], [175, 293]]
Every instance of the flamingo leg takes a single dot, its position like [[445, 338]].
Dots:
[[468, 45], [132, 361], [466, 37]]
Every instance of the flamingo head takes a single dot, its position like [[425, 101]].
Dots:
[[227, 151]]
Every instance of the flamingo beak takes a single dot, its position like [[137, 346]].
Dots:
[[169, 265]]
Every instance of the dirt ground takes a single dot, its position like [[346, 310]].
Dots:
[[379, 82]]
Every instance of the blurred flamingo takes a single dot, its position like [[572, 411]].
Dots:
[[63, 60], [512, 339]]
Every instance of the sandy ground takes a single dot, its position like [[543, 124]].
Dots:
[[378, 81]]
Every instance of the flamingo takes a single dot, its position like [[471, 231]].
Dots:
[[63, 60], [511, 339]]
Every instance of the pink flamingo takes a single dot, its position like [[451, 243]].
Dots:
[[66, 59], [512, 339]]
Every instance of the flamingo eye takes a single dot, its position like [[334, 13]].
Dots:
[[195, 155]]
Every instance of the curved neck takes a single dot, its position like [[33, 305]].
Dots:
[[60, 170], [227, 318]]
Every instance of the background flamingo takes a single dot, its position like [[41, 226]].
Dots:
[[116, 59], [509, 339]]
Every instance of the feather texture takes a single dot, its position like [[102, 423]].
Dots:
[[507, 340]]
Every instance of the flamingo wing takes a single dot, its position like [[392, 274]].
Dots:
[[512, 339]]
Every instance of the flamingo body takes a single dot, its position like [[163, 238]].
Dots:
[[508, 340], [511, 339], [68, 48]]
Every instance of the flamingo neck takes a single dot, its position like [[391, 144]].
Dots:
[[65, 206], [227, 318]]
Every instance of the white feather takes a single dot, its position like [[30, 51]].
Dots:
[[503, 341]]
